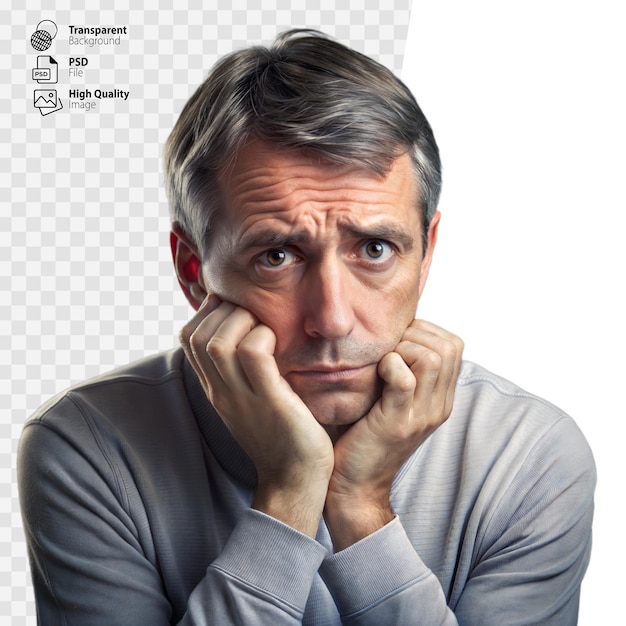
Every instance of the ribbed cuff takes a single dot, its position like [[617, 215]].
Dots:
[[272, 557], [372, 569]]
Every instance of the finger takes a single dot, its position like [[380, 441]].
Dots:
[[222, 348], [425, 363], [448, 346], [399, 387], [430, 398], [205, 327], [426, 326], [434, 336], [436, 374], [210, 303], [256, 355]]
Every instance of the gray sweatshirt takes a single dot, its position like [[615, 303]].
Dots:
[[136, 504]]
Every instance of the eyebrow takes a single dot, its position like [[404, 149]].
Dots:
[[265, 239], [268, 238], [396, 233]]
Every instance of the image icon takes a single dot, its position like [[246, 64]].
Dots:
[[42, 38], [47, 70], [46, 101]]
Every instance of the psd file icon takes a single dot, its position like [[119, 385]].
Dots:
[[47, 70], [46, 101]]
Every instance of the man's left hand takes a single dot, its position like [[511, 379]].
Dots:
[[419, 379]]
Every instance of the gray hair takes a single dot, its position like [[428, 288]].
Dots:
[[305, 92]]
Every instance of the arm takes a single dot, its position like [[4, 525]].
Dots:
[[533, 543], [94, 559], [527, 561]]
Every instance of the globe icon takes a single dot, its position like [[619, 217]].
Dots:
[[41, 40]]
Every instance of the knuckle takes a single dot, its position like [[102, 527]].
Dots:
[[449, 350], [432, 360], [217, 348], [184, 335], [460, 345], [220, 404], [247, 351], [413, 332], [406, 383], [195, 344]]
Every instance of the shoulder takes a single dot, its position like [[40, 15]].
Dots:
[[516, 432], [134, 419], [138, 405], [487, 401], [133, 387], [477, 382]]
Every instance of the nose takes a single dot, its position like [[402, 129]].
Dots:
[[328, 300]]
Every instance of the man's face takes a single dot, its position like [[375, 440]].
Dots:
[[330, 258]]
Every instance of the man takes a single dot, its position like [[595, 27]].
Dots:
[[313, 454]]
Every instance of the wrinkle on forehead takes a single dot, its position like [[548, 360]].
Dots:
[[268, 180], [280, 186]]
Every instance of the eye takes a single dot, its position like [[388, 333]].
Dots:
[[276, 257], [377, 250]]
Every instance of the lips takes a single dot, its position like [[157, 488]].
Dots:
[[328, 374]]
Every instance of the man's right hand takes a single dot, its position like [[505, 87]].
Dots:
[[233, 355]]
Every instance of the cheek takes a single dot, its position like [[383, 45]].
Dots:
[[278, 311], [383, 327], [389, 311]]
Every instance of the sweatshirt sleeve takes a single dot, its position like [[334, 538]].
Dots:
[[90, 564], [263, 576]]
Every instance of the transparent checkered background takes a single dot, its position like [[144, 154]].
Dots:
[[85, 273]]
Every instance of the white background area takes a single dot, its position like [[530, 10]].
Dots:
[[528, 103]]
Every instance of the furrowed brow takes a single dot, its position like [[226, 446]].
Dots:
[[265, 239]]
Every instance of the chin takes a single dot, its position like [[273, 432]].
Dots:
[[340, 407]]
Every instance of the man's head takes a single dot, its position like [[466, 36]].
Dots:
[[305, 92], [303, 183]]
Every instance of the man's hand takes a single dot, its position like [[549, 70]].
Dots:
[[232, 354], [419, 378]]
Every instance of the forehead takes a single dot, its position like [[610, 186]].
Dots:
[[288, 188]]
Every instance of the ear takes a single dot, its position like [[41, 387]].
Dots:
[[188, 266], [433, 232]]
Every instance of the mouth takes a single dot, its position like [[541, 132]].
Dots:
[[328, 374]]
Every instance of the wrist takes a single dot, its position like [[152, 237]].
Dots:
[[300, 506], [350, 519]]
